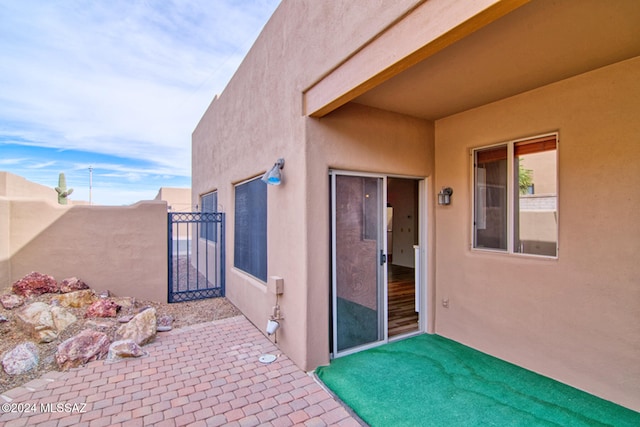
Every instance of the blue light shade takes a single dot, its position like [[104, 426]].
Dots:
[[273, 176]]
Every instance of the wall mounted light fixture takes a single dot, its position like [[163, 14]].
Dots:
[[273, 175], [444, 196]]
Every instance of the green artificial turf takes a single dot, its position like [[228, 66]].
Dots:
[[429, 380]]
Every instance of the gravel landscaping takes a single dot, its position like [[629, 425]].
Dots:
[[11, 334]]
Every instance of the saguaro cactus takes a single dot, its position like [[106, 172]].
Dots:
[[62, 191]]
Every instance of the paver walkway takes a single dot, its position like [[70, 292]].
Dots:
[[202, 375]]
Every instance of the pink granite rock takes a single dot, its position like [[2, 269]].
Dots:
[[165, 323], [11, 301], [21, 359], [126, 318], [142, 328], [88, 345], [102, 308], [43, 322], [35, 283], [124, 349], [76, 299], [72, 284]]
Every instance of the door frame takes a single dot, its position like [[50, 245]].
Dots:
[[422, 280]]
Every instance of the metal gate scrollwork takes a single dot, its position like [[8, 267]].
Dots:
[[196, 255]]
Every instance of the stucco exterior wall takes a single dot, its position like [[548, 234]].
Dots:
[[5, 251], [120, 249], [353, 138], [16, 186], [575, 318], [178, 199], [259, 118]]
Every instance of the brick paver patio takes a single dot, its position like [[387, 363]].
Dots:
[[202, 375]]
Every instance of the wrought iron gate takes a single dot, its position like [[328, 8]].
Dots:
[[196, 255]]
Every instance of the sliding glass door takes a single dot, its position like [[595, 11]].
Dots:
[[358, 261]]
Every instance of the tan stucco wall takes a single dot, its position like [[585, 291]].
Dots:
[[178, 199], [13, 186], [259, 118], [5, 250], [353, 138], [575, 318], [544, 170], [120, 249], [429, 27]]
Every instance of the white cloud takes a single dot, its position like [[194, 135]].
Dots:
[[42, 165], [126, 78], [11, 161]]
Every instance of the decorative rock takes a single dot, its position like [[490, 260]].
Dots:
[[125, 319], [43, 322], [35, 284], [3, 319], [124, 302], [124, 348], [165, 323], [88, 345], [10, 301], [102, 308], [76, 299], [23, 358], [141, 329], [72, 284], [37, 321], [95, 324], [62, 318]]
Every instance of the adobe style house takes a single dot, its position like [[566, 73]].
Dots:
[[525, 115]]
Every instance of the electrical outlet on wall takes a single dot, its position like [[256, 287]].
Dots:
[[445, 302]]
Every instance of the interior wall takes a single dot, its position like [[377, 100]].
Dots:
[[402, 194], [575, 318]]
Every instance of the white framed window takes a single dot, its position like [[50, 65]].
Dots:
[[515, 197]]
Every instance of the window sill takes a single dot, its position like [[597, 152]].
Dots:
[[513, 254]]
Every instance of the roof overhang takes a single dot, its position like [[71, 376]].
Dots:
[[497, 49]]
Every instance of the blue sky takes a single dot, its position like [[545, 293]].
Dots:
[[118, 85]]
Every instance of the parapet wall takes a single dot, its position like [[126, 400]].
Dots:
[[13, 186]]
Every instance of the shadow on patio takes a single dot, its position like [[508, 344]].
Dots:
[[429, 380]]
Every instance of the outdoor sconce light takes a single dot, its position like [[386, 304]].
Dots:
[[444, 196], [273, 175]]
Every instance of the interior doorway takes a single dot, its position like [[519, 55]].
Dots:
[[376, 259], [403, 231]]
